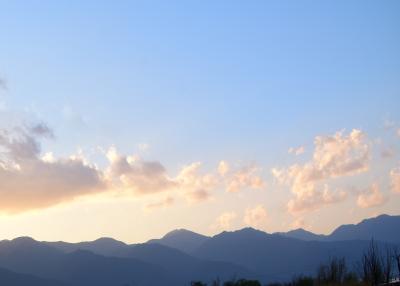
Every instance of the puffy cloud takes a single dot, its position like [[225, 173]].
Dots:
[[244, 178], [296, 151], [223, 168], [334, 156], [196, 186], [29, 182], [395, 180], [136, 175], [311, 199], [224, 221], [256, 216], [166, 202], [371, 197]]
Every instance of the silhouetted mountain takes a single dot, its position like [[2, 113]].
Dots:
[[144, 264], [246, 253], [9, 278], [276, 257], [24, 255], [184, 267], [382, 228], [182, 239], [302, 234], [103, 246]]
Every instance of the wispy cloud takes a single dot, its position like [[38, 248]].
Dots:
[[165, 202], [296, 150]]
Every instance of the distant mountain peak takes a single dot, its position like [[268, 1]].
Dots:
[[181, 231]]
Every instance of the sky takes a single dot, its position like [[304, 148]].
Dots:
[[129, 119]]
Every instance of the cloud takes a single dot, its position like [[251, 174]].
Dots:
[[312, 199], [398, 132], [3, 84], [223, 168], [296, 151], [371, 197], [166, 202], [243, 178], [299, 223], [395, 180], [42, 130], [256, 216], [136, 175], [29, 182], [224, 221], [388, 153], [334, 156], [143, 147], [195, 185]]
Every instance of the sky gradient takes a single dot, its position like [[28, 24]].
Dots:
[[134, 118]]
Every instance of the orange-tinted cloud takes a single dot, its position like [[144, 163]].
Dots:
[[334, 156], [371, 197], [30, 182]]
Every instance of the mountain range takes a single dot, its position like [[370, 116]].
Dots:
[[182, 255]]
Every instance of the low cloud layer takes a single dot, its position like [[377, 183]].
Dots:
[[30, 182], [334, 156]]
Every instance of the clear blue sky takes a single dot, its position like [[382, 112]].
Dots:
[[241, 81]]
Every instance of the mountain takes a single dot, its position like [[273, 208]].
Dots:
[[302, 234], [10, 278], [276, 257], [79, 268], [182, 239], [142, 264], [183, 266], [382, 228], [103, 246]]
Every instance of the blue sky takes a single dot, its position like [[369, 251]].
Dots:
[[202, 80]]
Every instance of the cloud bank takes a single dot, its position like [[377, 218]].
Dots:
[[334, 156], [30, 182]]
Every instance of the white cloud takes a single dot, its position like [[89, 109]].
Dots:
[[224, 221], [371, 197], [138, 176], [395, 180], [334, 156], [256, 216], [223, 168], [195, 185], [243, 178], [296, 150]]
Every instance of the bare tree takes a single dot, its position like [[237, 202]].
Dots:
[[387, 264], [371, 261], [396, 257]]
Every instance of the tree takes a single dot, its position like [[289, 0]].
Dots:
[[334, 272], [371, 262]]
